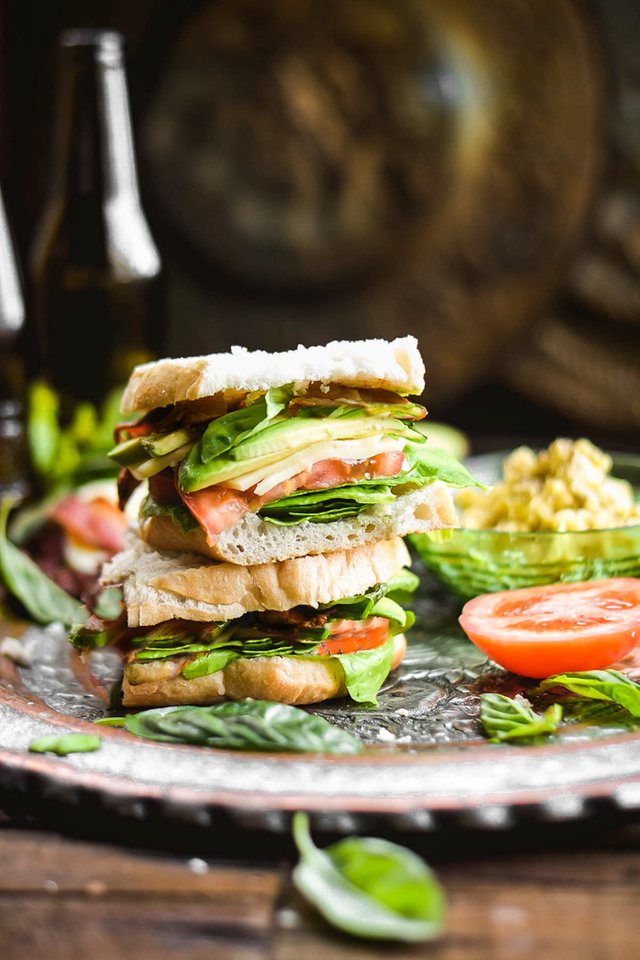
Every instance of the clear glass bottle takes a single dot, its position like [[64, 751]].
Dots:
[[13, 457], [95, 271]]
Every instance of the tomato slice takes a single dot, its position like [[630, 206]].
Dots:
[[350, 636], [334, 473], [216, 509], [556, 628]]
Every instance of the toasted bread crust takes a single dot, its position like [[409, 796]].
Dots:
[[283, 679], [392, 365], [161, 586]]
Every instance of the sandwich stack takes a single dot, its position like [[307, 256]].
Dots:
[[267, 560]]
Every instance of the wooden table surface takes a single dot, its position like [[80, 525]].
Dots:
[[107, 890]]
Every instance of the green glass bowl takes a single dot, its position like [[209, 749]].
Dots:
[[471, 562]]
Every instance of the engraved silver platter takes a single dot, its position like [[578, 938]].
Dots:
[[426, 762]]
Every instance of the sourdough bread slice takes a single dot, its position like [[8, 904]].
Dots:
[[253, 540], [293, 680], [162, 586], [393, 365]]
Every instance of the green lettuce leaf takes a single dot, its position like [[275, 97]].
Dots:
[[365, 672]]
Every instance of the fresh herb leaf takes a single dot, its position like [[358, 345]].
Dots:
[[244, 725], [209, 663], [599, 685], [43, 429], [76, 454], [108, 606], [366, 671], [512, 718], [598, 713], [226, 432], [110, 721], [66, 743], [369, 887], [44, 600]]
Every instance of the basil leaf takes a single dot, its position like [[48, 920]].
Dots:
[[110, 721], [369, 887], [599, 685], [66, 743], [598, 713], [506, 718], [244, 725], [228, 431], [366, 671], [108, 606], [44, 600], [208, 663]]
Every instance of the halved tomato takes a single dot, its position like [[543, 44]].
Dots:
[[350, 636], [556, 628]]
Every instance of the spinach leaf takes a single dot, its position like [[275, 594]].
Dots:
[[244, 725], [369, 887], [66, 743], [505, 718], [43, 599], [599, 685], [208, 663]]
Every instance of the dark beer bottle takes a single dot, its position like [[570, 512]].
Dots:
[[13, 457], [94, 267]]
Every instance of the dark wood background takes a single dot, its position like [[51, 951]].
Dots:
[[516, 261]]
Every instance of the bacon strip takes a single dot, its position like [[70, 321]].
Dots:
[[95, 523]]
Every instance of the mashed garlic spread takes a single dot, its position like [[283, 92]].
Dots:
[[566, 487]]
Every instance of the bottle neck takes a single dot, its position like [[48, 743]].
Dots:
[[93, 145]]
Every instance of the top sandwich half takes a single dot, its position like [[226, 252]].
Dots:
[[255, 457]]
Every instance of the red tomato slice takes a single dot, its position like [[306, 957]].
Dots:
[[556, 628], [334, 473], [216, 509], [350, 636]]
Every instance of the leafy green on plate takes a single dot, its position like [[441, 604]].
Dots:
[[243, 725], [66, 743], [608, 685], [512, 718]]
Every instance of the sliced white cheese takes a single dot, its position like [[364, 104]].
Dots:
[[267, 477]]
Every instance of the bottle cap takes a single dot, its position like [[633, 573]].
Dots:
[[102, 46]]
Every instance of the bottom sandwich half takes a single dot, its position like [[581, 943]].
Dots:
[[298, 631]]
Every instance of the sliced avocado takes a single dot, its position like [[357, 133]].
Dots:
[[279, 440], [128, 452], [160, 446]]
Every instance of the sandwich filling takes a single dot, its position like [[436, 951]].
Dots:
[[357, 632], [318, 454]]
